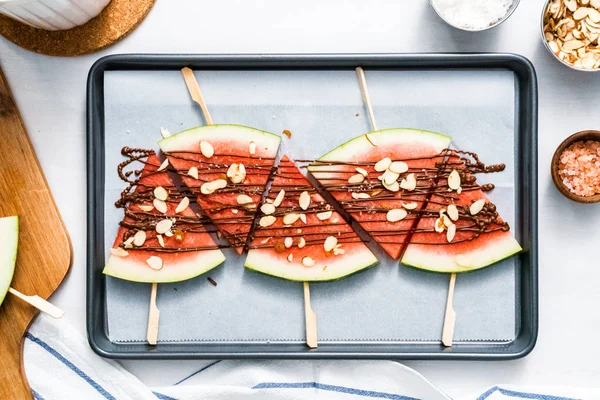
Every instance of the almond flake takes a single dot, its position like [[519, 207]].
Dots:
[[288, 242], [279, 198], [303, 218], [376, 192], [398, 167], [581, 13], [382, 164], [410, 206], [234, 210], [267, 208], [459, 190], [451, 232], [267, 221], [290, 257], [163, 166], [147, 208], [301, 243], [439, 225], [410, 183], [572, 45], [362, 171], [371, 139], [289, 219], [308, 262], [454, 180], [304, 200], [139, 238], [164, 226], [396, 214], [325, 215], [193, 172], [161, 193], [155, 262], [183, 205], [161, 241], [453, 212], [390, 177], [338, 251], [206, 188], [264, 241], [252, 148], [357, 196], [477, 206], [164, 132], [330, 243], [394, 187], [446, 220], [160, 205], [594, 15], [170, 233], [128, 244], [119, 252], [358, 178], [211, 187], [244, 199], [236, 173], [206, 149]]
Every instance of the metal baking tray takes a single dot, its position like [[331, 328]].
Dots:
[[351, 337]]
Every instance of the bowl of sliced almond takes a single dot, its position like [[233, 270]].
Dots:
[[571, 32]]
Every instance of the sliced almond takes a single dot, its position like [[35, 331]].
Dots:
[[211, 187], [371, 139], [155, 262], [459, 190], [266, 221], [164, 132], [170, 233], [147, 208], [390, 177], [308, 262], [164, 226], [398, 167], [304, 200], [207, 188], [330, 243], [477, 206], [119, 252], [362, 171], [244, 199], [183, 205], [382, 164], [376, 192], [410, 206], [409, 183], [206, 149], [446, 220], [160, 205], [139, 238], [338, 251], [453, 212], [553, 46], [358, 178], [163, 166], [394, 187], [396, 214], [290, 257], [451, 232], [357, 196], [303, 218], [161, 241], [288, 242], [235, 210], [301, 243], [325, 215], [161, 193], [290, 219], [454, 180], [581, 13], [594, 15], [193, 172], [279, 198], [572, 45], [252, 148], [267, 208], [128, 244], [236, 173]]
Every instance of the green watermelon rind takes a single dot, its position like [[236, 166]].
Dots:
[[9, 240], [259, 260], [122, 268]]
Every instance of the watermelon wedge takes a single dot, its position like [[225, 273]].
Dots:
[[481, 237], [300, 237], [382, 179], [226, 167], [160, 241], [9, 240]]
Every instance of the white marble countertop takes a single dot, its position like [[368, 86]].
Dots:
[[50, 93]]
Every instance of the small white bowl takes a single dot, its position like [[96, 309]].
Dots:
[[52, 15], [510, 11]]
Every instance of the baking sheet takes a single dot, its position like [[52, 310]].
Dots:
[[388, 303]]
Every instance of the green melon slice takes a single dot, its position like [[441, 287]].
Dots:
[[9, 240], [183, 259], [469, 249], [231, 144], [268, 253], [419, 149]]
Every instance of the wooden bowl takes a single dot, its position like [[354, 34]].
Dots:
[[577, 137]]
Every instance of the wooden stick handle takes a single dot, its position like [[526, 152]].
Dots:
[[450, 319], [311, 319], [153, 317], [39, 303], [362, 82], [194, 89]]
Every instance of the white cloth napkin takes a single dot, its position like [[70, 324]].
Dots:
[[61, 366]]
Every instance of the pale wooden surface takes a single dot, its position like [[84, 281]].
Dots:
[[39, 303], [450, 318], [311, 319], [44, 246], [194, 89], [153, 317], [364, 91]]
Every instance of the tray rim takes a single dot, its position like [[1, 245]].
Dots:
[[527, 332]]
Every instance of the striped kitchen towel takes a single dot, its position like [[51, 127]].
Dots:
[[61, 366]]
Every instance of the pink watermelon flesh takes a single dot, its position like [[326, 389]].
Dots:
[[268, 253], [230, 146], [419, 149], [191, 251], [473, 246]]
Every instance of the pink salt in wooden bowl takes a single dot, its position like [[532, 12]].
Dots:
[[577, 137]]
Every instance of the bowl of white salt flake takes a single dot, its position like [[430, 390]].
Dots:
[[474, 15]]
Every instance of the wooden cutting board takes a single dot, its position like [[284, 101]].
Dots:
[[44, 246]]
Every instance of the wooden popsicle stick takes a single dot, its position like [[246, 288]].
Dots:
[[153, 317], [39, 303], [311, 319], [194, 89], [362, 82], [450, 319]]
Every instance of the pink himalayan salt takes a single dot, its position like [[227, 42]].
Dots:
[[579, 168]]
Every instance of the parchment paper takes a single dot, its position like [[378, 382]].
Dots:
[[388, 302]]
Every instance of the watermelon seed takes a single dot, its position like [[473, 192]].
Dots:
[[330, 243], [398, 167], [163, 166], [161, 241], [396, 214], [164, 226], [362, 171], [303, 219], [147, 208], [160, 205], [477, 206], [325, 215], [308, 262], [358, 178], [252, 148], [410, 206], [193, 172], [139, 238], [206, 149], [183, 205], [267, 221], [371, 139], [119, 252], [454, 180], [267, 208], [451, 232], [155, 262], [161, 193], [289, 219], [382, 164], [301, 243], [290, 257], [453, 212], [279, 198], [304, 200], [288, 242]]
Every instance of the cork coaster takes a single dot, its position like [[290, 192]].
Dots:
[[117, 20]]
